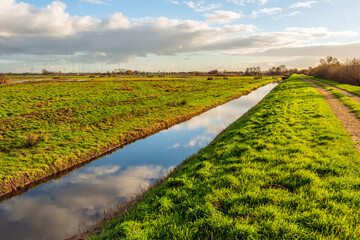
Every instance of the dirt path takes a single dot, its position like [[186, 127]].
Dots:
[[350, 95], [348, 119]]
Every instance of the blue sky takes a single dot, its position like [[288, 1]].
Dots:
[[174, 35]]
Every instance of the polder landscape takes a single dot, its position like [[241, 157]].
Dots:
[[93, 148]]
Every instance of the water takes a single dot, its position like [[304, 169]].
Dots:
[[56, 209]]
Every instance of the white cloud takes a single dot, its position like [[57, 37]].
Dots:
[[319, 32], [173, 2], [239, 28], [307, 4], [51, 34], [294, 13], [201, 7], [266, 11], [243, 2], [93, 1], [349, 50], [221, 17], [25, 19]]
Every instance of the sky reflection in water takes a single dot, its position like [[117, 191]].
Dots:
[[55, 210]]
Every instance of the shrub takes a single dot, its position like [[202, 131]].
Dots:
[[31, 140], [331, 69], [3, 79]]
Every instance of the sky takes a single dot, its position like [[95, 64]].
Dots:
[[174, 35]]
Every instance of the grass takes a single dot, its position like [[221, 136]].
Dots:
[[286, 170], [352, 104], [350, 88], [48, 126]]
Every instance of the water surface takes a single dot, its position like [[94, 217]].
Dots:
[[56, 209]]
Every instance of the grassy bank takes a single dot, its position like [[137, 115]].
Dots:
[[350, 88], [286, 170], [48, 126], [352, 104]]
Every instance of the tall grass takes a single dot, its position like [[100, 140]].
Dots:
[[3, 79]]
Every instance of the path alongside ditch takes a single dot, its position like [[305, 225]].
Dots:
[[346, 93], [348, 119]]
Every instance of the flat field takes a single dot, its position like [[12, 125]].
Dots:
[[286, 170], [47, 126]]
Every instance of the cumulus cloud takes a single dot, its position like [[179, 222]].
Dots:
[[307, 4], [25, 19], [51, 34], [239, 28], [223, 17]]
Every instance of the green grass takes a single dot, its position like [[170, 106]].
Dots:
[[350, 88], [48, 124], [352, 104], [286, 170]]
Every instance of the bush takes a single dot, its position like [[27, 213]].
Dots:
[[3, 79], [331, 69], [31, 140]]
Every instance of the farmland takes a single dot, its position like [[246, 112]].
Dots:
[[285, 170], [50, 125]]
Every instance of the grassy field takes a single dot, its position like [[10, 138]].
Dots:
[[350, 88], [286, 170], [47, 126]]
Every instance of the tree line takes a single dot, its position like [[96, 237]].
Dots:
[[343, 72]]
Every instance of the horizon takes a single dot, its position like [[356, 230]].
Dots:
[[174, 36]]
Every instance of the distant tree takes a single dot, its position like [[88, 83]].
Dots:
[[282, 69], [213, 72], [129, 72], [293, 70], [45, 72], [330, 68], [252, 71]]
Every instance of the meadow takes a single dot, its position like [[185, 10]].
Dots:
[[285, 170], [51, 125]]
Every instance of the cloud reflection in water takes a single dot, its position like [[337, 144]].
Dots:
[[85, 196]]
